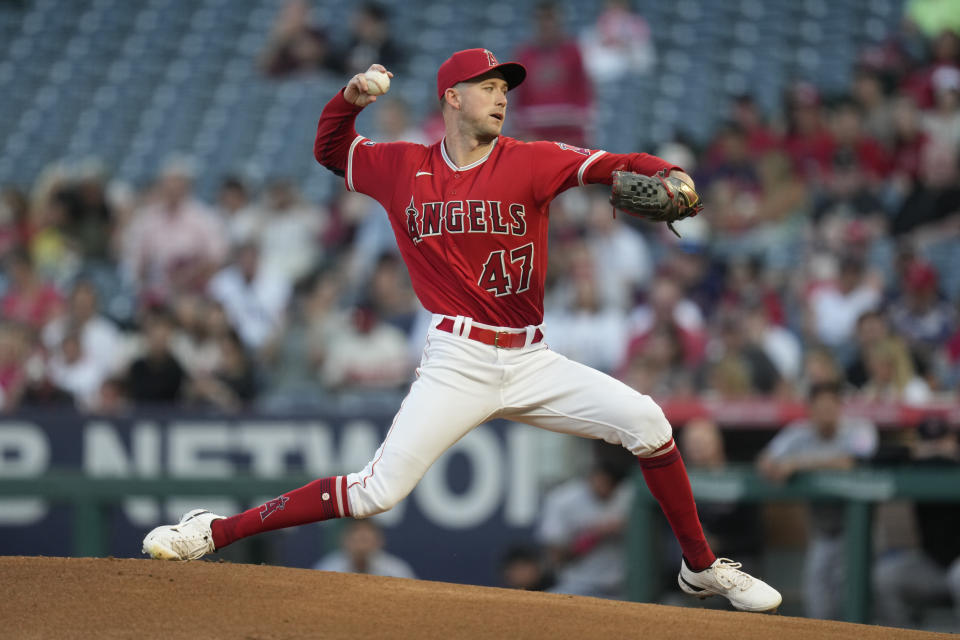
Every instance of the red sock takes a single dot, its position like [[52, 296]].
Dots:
[[666, 477], [320, 500]]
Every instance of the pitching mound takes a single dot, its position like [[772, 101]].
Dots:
[[93, 598]]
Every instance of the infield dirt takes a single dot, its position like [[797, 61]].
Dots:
[[127, 598]]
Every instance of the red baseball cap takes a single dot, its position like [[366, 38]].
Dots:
[[921, 276], [471, 63]]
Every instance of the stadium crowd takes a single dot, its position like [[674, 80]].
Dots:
[[823, 253]]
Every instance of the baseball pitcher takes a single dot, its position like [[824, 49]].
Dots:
[[470, 215]]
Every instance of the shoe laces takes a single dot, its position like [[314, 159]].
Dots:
[[728, 574], [190, 537]]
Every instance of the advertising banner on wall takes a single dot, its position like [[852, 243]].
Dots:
[[478, 499]]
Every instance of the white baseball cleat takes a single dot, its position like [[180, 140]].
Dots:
[[189, 539], [724, 578]]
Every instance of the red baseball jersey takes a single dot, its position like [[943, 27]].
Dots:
[[474, 238]]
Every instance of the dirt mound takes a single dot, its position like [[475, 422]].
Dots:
[[113, 598]]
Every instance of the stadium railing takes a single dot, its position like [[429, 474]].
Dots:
[[860, 490]]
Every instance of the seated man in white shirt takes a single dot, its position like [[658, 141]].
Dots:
[[361, 551], [582, 526]]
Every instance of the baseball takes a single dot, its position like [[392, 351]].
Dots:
[[378, 82]]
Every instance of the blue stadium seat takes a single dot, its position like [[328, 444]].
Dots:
[[129, 80]]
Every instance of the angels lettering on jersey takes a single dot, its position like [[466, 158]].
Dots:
[[433, 219]]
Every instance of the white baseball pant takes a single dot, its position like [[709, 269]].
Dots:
[[462, 383]]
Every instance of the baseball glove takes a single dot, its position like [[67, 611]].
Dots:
[[659, 197]]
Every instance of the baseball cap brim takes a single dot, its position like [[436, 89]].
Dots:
[[514, 73]]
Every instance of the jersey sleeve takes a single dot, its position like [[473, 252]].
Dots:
[[335, 133], [558, 166], [374, 168], [366, 166]]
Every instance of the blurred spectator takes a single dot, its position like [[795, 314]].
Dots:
[[88, 216], [394, 123], [907, 140], [826, 440], [807, 140], [819, 367], [193, 343], [944, 54], [760, 214], [294, 360], [872, 328], [28, 299], [696, 271], [582, 526], [361, 551], [368, 227], [14, 219], [111, 399], [728, 379], [779, 345], [583, 326], [54, 253], [621, 254], [733, 529], [216, 321], [657, 368], [891, 376], [586, 331], [908, 580], [618, 45], [555, 101], [920, 315], [834, 306], [296, 44], [761, 138], [942, 122], [782, 194], [75, 370], [366, 354], [522, 567], [157, 376], [232, 384], [253, 297], [391, 293], [850, 188], [235, 210], [853, 145], [33, 383], [930, 208], [745, 285], [371, 41], [289, 233], [947, 359], [101, 341], [731, 160], [174, 243], [736, 350], [14, 351], [870, 95], [745, 116], [667, 306]]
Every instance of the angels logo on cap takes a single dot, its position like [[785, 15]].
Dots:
[[470, 63]]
